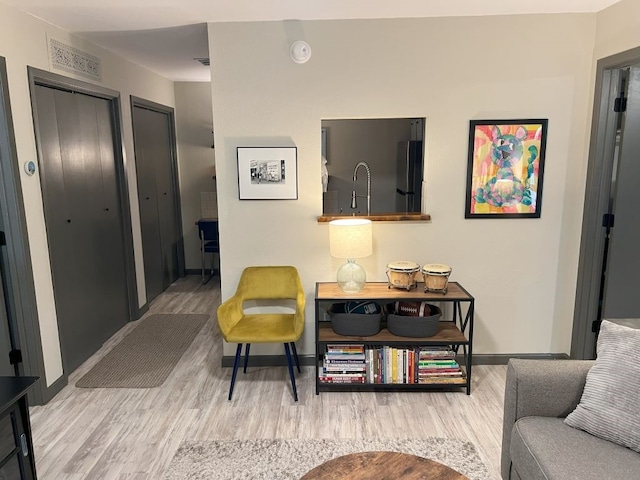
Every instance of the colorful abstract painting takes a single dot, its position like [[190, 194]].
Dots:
[[504, 175]]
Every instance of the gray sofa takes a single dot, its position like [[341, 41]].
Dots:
[[536, 444]]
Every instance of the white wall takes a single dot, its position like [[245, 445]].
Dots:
[[194, 126], [618, 29], [23, 42], [449, 70]]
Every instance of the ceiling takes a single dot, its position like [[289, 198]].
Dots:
[[166, 35]]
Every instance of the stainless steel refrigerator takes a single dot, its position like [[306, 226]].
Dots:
[[409, 176]]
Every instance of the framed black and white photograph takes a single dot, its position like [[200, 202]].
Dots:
[[268, 173]]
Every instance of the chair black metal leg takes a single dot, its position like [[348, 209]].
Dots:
[[246, 357], [203, 262], [293, 379], [206, 278], [295, 355], [235, 369], [212, 264]]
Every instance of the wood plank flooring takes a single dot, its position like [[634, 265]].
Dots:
[[132, 434]]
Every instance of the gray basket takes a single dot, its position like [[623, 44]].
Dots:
[[405, 326], [355, 324]]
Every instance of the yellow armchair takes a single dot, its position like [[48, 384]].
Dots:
[[264, 284]]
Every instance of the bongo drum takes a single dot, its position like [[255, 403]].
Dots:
[[436, 277], [402, 274]]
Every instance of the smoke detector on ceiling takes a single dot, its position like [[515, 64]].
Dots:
[[300, 52]]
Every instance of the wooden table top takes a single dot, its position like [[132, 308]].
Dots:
[[381, 291], [382, 466]]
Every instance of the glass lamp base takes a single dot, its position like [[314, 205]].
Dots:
[[351, 277]]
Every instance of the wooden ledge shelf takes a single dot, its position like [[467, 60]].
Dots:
[[381, 217]]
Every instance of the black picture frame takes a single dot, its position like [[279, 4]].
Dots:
[[505, 168]]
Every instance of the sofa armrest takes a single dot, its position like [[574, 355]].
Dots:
[[544, 388]]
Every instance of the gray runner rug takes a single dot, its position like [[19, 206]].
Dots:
[[291, 459], [147, 355]]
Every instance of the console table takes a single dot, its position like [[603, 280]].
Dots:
[[456, 331]]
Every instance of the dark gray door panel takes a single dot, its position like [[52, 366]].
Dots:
[[157, 198], [84, 226]]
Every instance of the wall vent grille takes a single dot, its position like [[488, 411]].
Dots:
[[72, 60], [203, 61]]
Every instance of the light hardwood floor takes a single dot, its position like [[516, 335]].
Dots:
[[132, 434]]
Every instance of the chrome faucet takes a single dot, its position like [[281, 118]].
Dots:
[[354, 202]]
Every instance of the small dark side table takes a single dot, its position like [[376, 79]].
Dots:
[[16, 447]]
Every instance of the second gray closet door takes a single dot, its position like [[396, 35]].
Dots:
[[157, 198], [82, 213]]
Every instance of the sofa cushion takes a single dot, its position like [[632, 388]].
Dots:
[[546, 448], [609, 406]]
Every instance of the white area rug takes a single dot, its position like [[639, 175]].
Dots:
[[291, 459]]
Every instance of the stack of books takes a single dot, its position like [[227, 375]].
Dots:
[[438, 365], [391, 364], [343, 363]]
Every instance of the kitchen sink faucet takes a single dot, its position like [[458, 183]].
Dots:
[[354, 202]]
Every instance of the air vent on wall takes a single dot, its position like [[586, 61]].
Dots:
[[72, 60], [203, 61]]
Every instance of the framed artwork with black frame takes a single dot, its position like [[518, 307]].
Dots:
[[267, 173], [505, 168]]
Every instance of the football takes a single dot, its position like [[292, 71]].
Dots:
[[413, 309]]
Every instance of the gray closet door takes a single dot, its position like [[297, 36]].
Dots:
[[622, 274], [84, 228], [157, 197]]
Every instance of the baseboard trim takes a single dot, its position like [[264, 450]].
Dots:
[[141, 311], [52, 390], [269, 360], [480, 359], [192, 271], [503, 359]]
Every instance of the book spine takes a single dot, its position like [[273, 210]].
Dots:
[[394, 365], [388, 364], [333, 379], [345, 348], [334, 361]]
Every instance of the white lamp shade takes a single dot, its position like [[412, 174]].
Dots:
[[350, 238]]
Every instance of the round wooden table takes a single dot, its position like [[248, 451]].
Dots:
[[382, 466]]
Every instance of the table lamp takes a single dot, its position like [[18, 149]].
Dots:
[[351, 238]]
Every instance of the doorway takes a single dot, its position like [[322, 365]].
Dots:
[[609, 265], [86, 211], [20, 347], [7, 339], [158, 198]]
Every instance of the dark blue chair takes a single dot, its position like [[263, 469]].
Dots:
[[209, 243]]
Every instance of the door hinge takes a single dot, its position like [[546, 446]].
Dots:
[[595, 326], [620, 104], [3, 239], [607, 220], [15, 356]]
